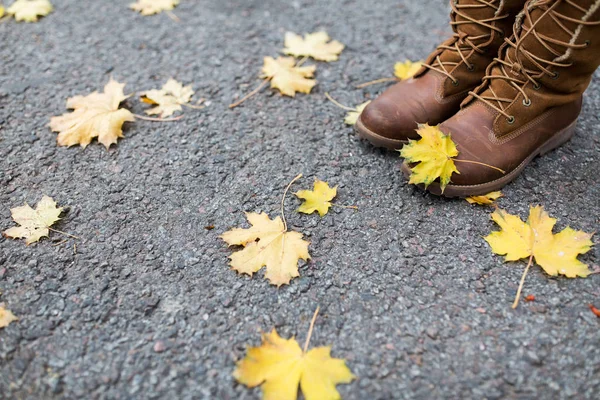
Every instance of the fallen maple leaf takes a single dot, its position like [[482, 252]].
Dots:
[[6, 317], [267, 243], [94, 115], [168, 99], [1, 11], [29, 10], [555, 253], [313, 45], [353, 115], [288, 78], [433, 153], [280, 366], [595, 310], [317, 199], [407, 69], [150, 7], [34, 224], [486, 199]]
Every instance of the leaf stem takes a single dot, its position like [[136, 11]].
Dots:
[[340, 105], [480, 163], [310, 329], [301, 61], [341, 206], [64, 233], [173, 16], [252, 93], [376, 81], [158, 119], [518, 296], [283, 200], [193, 106]]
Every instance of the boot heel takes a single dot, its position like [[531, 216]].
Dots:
[[559, 139]]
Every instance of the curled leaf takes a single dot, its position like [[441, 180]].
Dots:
[[168, 99], [486, 199], [353, 115]]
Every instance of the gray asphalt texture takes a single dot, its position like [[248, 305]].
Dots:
[[147, 307]]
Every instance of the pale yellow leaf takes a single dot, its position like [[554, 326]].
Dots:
[[486, 199], [168, 99], [267, 244], [555, 253], [433, 153], [6, 317], [407, 69], [318, 199], [316, 45], [288, 78], [95, 115], [353, 115], [150, 7], [280, 367], [29, 10], [34, 223]]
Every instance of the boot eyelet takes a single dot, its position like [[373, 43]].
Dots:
[[555, 75], [456, 82], [471, 67], [587, 43], [537, 86], [511, 119], [501, 33], [527, 102]]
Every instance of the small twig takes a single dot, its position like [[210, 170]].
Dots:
[[158, 119], [283, 200], [59, 243], [252, 93], [376, 81], [480, 163], [64, 233], [518, 296], [341, 206], [301, 61], [74, 248], [337, 103], [171, 15], [310, 329]]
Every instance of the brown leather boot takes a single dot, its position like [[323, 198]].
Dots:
[[447, 76], [531, 95]]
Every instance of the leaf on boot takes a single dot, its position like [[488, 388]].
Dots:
[[316, 45], [486, 199], [168, 99], [280, 366], [29, 10], [150, 7], [407, 69], [353, 115], [555, 253], [34, 224], [6, 317], [288, 78], [317, 199], [94, 115], [433, 153], [267, 243]]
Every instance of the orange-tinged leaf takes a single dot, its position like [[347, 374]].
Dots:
[[268, 244], [595, 310], [6, 317], [34, 223], [95, 115], [555, 253], [288, 78], [280, 366], [486, 199]]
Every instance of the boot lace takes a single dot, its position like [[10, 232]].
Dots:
[[463, 44], [516, 74]]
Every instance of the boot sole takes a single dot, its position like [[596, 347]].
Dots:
[[375, 139], [476, 190]]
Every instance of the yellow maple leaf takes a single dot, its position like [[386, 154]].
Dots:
[[288, 78], [353, 115], [433, 153], [317, 199], [316, 45], [555, 253], [29, 10], [168, 99], [34, 224], [94, 115], [280, 366], [1, 11], [485, 199], [267, 243], [407, 69], [150, 7], [6, 317]]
